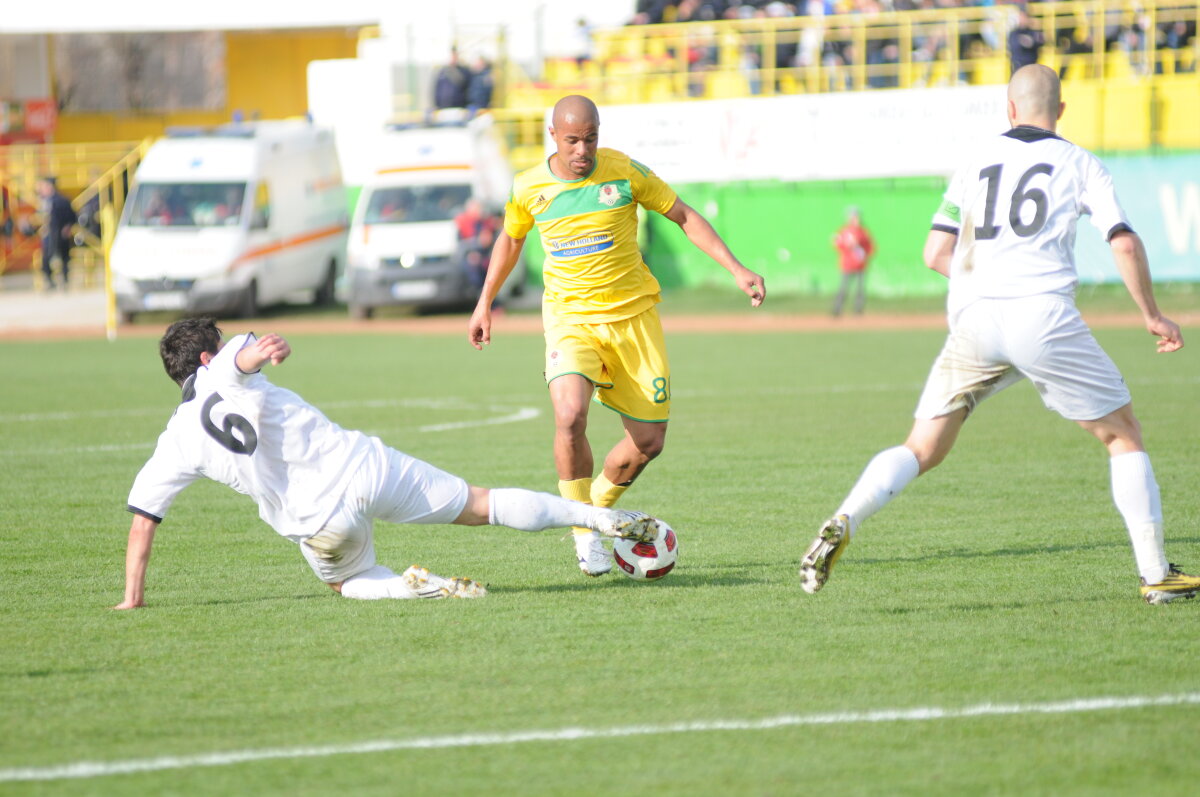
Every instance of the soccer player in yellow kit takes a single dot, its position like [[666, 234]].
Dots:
[[603, 336]]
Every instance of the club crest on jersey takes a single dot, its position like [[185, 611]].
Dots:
[[609, 194]]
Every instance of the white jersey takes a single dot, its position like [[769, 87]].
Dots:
[[1014, 208], [260, 439]]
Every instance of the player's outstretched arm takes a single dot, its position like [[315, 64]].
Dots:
[[269, 348], [505, 253], [706, 239], [137, 557], [1134, 267]]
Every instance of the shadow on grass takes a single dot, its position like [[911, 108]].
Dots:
[[261, 599], [52, 673], [1001, 552], [615, 581]]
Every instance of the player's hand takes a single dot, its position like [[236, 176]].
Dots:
[[1169, 337], [479, 332], [273, 348], [752, 285]]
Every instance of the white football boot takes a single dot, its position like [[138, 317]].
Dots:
[[627, 524], [431, 585], [593, 557]]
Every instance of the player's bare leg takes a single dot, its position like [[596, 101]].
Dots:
[[1135, 492], [928, 443], [643, 441]]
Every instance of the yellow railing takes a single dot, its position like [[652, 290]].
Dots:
[[104, 169], [905, 49], [1123, 60]]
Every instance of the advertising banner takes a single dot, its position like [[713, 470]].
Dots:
[[1161, 196]]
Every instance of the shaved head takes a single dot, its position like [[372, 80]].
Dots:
[[1035, 97], [575, 109], [575, 131]]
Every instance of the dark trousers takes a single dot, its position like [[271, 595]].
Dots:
[[52, 248]]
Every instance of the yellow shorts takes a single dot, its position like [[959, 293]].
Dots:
[[626, 360]]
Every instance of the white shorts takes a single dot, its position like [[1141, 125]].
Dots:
[[994, 343], [389, 486]]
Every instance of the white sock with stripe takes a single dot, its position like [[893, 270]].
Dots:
[[884, 477], [1135, 492]]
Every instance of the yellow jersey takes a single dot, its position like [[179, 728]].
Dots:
[[594, 272]]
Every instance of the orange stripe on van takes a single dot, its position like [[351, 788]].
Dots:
[[431, 168], [287, 243]]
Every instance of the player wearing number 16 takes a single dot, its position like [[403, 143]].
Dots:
[[1005, 235]]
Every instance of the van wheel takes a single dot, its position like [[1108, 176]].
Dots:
[[248, 306], [325, 291], [361, 312]]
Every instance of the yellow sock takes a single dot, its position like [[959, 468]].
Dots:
[[577, 490], [604, 492]]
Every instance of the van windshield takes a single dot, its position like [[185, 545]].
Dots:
[[186, 204], [410, 203]]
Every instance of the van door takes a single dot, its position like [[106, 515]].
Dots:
[[261, 251]]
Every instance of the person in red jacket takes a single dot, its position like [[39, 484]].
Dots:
[[855, 248]]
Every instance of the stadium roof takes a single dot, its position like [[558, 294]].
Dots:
[[88, 16], [78, 16]]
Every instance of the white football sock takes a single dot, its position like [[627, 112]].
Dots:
[[378, 582], [532, 511], [884, 477], [1135, 492]]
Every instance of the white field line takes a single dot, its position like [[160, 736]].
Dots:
[[466, 404], [94, 769], [486, 415]]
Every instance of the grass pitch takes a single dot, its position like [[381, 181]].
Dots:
[[1003, 578]]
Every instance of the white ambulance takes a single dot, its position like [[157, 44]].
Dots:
[[414, 238], [230, 219]]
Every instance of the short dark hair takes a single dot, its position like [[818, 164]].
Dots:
[[184, 342]]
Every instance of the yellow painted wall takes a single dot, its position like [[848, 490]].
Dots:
[[1126, 120], [1082, 120], [1179, 109], [266, 75]]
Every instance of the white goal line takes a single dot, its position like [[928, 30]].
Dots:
[[93, 769]]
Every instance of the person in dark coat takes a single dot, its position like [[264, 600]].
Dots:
[[450, 86], [58, 217]]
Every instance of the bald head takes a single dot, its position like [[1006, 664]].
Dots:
[[575, 109], [575, 130], [1035, 97]]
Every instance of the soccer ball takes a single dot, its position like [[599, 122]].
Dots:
[[647, 561]]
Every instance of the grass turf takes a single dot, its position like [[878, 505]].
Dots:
[[1003, 577]]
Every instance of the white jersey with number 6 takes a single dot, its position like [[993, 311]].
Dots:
[[261, 440], [1014, 208]]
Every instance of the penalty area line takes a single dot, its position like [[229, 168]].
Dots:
[[94, 769]]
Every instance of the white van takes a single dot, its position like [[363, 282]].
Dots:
[[231, 219], [408, 240]]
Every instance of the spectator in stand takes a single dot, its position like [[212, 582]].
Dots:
[[450, 86], [582, 43], [855, 247], [480, 86], [57, 217], [1024, 41], [651, 12], [1177, 35]]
